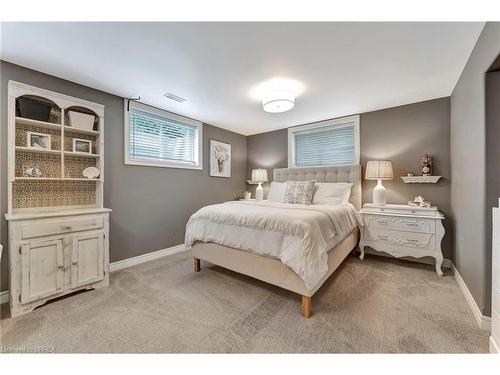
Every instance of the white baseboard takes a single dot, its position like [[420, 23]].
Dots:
[[125, 263], [494, 347], [129, 262], [4, 297], [483, 321]]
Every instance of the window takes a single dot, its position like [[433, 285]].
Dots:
[[332, 142], [158, 138]]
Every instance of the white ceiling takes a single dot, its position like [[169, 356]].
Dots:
[[345, 68]]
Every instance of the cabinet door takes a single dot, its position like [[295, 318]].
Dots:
[[87, 259], [42, 269]]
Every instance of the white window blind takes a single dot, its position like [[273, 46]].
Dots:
[[334, 142], [162, 140]]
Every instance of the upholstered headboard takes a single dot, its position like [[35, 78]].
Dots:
[[349, 173]]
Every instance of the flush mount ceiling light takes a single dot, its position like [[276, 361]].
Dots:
[[277, 94], [278, 101]]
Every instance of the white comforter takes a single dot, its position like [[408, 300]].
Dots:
[[298, 235]]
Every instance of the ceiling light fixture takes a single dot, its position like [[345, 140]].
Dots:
[[278, 101]]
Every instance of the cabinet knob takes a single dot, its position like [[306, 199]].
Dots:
[[67, 227], [60, 267], [74, 263]]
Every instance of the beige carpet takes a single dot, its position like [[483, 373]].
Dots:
[[375, 305]]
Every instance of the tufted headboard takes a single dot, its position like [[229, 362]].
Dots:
[[348, 173]]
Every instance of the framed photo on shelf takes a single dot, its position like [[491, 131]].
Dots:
[[220, 159], [83, 146], [38, 140]]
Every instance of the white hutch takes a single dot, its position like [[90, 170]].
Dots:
[[58, 227]]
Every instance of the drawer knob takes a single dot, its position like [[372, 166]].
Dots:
[[67, 227], [382, 237], [412, 224], [60, 267], [411, 240], [74, 263]]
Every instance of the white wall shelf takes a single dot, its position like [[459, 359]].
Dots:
[[420, 179]]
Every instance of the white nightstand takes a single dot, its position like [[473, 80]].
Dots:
[[401, 230]]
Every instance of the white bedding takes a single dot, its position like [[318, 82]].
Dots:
[[298, 235]]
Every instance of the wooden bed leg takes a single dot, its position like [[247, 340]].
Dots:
[[306, 310], [196, 264]]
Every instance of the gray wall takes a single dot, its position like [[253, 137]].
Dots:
[[403, 134], [150, 205], [468, 191]]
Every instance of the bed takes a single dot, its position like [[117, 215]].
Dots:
[[269, 268]]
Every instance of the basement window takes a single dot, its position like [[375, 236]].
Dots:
[[332, 142], [157, 138]]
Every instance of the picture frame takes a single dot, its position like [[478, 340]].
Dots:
[[220, 159], [38, 140], [82, 146]]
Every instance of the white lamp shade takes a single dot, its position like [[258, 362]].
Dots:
[[379, 170], [259, 175]]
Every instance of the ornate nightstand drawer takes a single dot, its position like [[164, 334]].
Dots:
[[408, 224], [414, 240]]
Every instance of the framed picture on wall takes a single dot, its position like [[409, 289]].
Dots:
[[220, 159]]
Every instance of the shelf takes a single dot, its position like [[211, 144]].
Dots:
[[420, 179], [70, 129], [81, 179], [38, 178], [39, 124], [81, 154], [38, 150]]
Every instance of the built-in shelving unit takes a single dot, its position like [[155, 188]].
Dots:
[[61, 184], [420, 179]]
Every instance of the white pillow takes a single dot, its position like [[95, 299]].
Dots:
[[277, 192], [332, 193]]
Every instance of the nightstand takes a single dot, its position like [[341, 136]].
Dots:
[[401, 230]]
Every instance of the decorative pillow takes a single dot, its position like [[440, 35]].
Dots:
[[277, 192], [299, 192], [332, 192]]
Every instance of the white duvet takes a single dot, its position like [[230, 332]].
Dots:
[[298, 235]]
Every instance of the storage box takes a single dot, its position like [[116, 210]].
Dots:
[[81, 120]]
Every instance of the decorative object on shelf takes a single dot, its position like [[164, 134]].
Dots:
[[91, 172], [38, 140], [220, 159], [410, 174], [33, 172], [81, 120], [419, 202], [426, 165], [82, 145], [379, 170], [259, 176], [420, 179], [33, 109], [247, 195]]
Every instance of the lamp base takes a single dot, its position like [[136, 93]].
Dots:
[[379, 194], [259, 192]]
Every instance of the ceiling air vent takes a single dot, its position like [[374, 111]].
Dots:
[[174, 97]]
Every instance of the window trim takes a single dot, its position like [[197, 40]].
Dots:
[[167, 115], [338, 122]]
